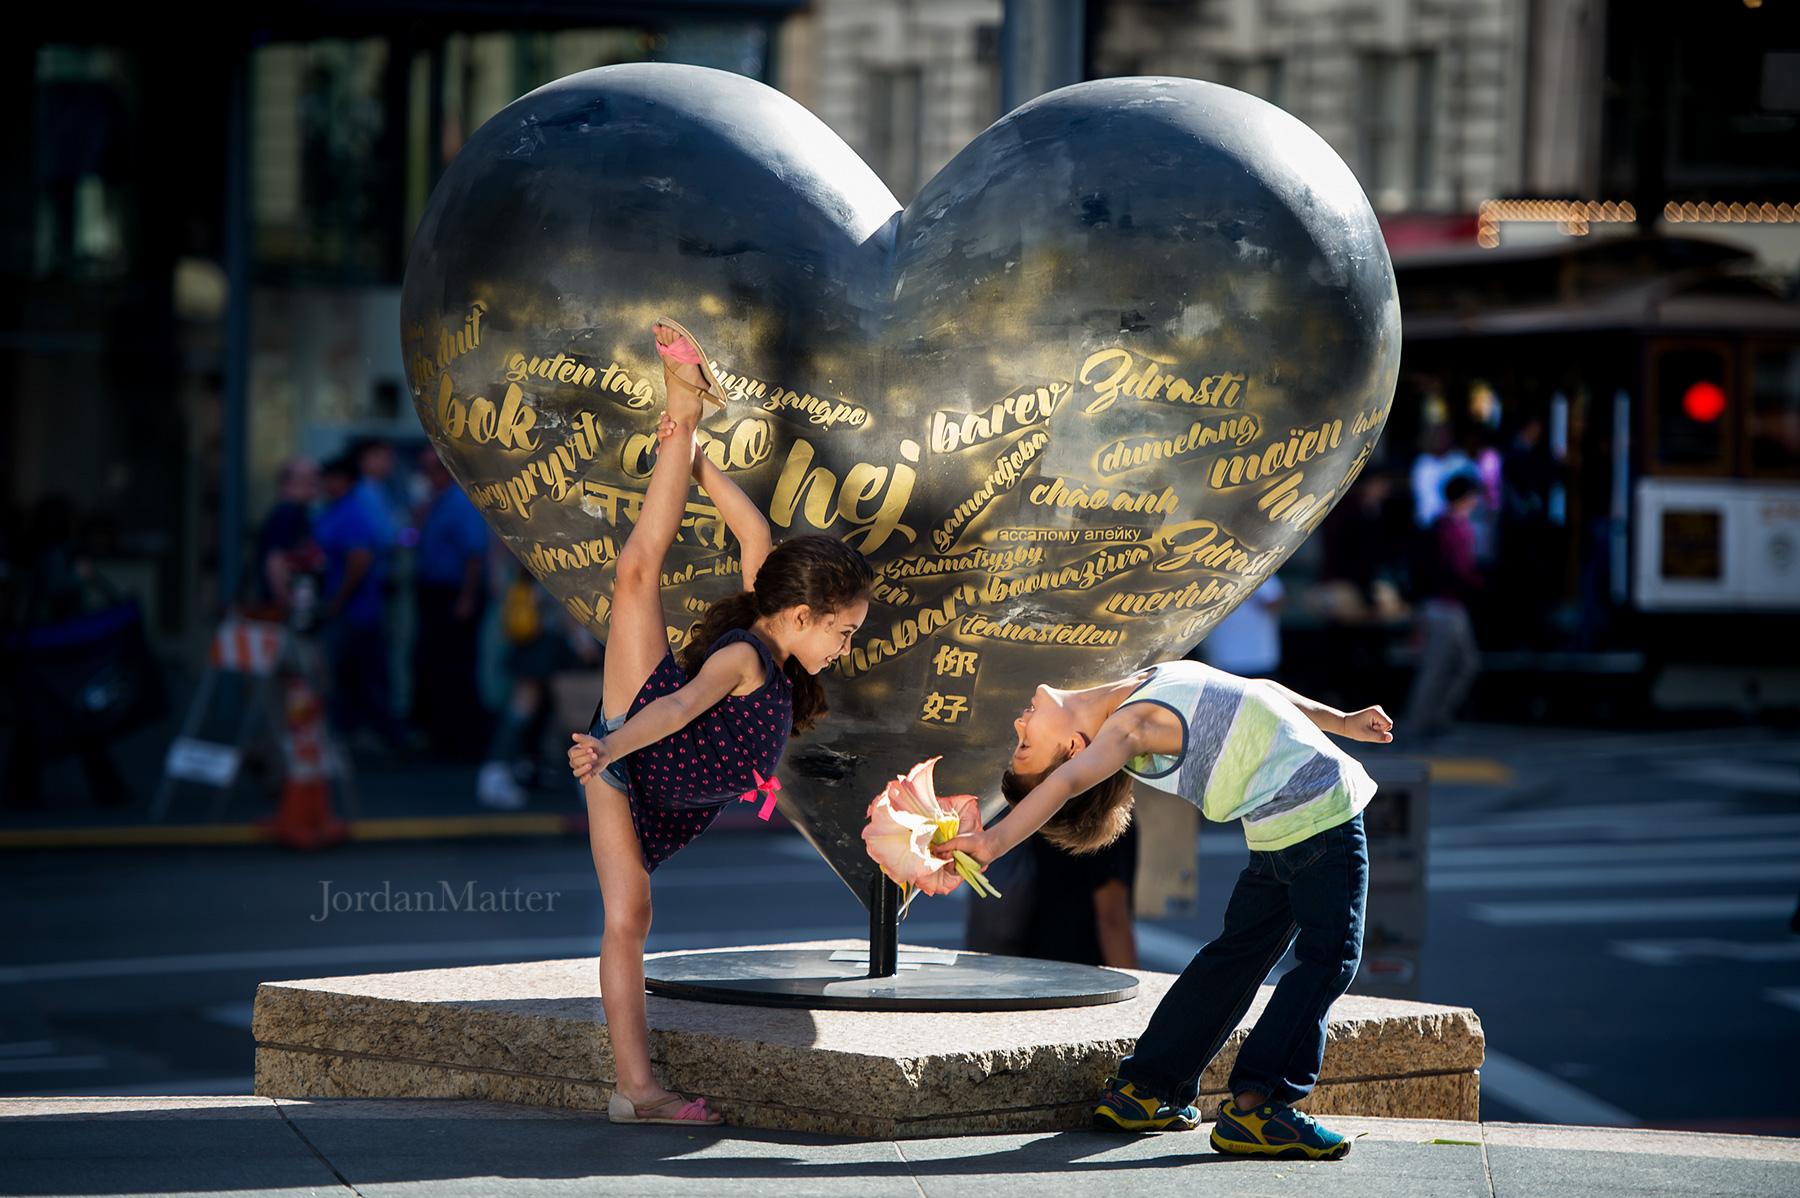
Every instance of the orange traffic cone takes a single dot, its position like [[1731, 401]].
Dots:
[[305, 819]]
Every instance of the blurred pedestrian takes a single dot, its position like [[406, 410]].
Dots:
[[1247, 642], [1449, 582], [1081, 903], [1527, 542], [58, 597], [1432, 469], [357, 561], [450, 592], [284, 544], [373, 459], [541, 642]]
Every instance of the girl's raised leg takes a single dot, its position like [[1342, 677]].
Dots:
[[637, 632]]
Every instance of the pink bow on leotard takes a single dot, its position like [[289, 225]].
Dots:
[[766, 788]]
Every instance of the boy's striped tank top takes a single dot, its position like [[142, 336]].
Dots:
[[1247, 753]]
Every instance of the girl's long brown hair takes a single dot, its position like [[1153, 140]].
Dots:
[[816, 570]]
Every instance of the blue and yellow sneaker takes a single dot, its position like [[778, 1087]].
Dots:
[[1126, 1108], [1275, 1130]]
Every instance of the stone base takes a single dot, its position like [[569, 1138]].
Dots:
[[534, 1033]]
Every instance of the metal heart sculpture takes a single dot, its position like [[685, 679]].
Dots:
[[1074, 401]]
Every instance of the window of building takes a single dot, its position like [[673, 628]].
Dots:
[[1397, 134], [1262, 77], [1690, 411], [1773, 421], [896, 126], [1384, 112], [319, 167], [82, 139], [1424, 131]]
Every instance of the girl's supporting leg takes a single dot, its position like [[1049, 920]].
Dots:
[[625, 889], [636, 635]]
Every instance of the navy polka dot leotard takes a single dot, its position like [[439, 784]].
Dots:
[[677, 786]]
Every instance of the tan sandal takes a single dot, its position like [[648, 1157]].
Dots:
[[692, 1111], [714, 393]]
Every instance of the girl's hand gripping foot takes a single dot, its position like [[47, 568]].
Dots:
[[587, 756]]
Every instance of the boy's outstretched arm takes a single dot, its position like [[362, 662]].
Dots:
[[1370, 724], [1108, 753]]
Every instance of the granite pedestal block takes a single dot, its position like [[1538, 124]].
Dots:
[[535, 1033]]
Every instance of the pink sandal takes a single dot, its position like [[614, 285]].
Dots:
[[620, 1109], [688, 351]]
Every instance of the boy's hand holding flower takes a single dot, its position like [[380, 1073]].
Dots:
[[587, 756], [907, 819], [1370, 724], [979, 844]]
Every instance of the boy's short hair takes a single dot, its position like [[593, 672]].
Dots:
[[1456, 486], [1089, 821]]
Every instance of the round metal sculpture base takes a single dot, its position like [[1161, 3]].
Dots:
[[927, 980]]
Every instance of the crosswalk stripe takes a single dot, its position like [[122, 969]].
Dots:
[[1556, 854], [1519, 1085], [1682, 952], [1622, 825], [1639, 910], [1600, 876]]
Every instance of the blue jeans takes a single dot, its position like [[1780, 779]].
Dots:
[[1318, 888], [614, 771]]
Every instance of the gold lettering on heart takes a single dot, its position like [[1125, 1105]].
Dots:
[[1009, 467], [566, 368], [477, 419], [1301, 445], [988, 561], [814, 491], [1112, 373], [905, 633], [1090, 571], [773, 397], [552, 475], [954, 431], [426, 359], [1059, 493], [542, 559], [1129, 453], [1194, 594], [1080, 636], [1205, 545]]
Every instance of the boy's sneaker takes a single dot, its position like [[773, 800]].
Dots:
[[1126, 1108], [1275, 1130]]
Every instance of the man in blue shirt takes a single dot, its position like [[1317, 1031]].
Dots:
[[450, 588], [356, 569]]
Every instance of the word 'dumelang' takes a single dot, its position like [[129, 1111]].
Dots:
[[1110, 373], [1129, 453]]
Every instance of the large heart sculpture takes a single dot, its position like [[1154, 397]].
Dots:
[[1074, 401]]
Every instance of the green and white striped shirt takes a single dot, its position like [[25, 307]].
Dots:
[[1247, 753]]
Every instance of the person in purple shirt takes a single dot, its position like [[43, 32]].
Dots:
[[1448, 581], [450, 589], [352, 615]]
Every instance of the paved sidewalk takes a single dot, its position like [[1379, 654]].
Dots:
[[261, 1146]]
